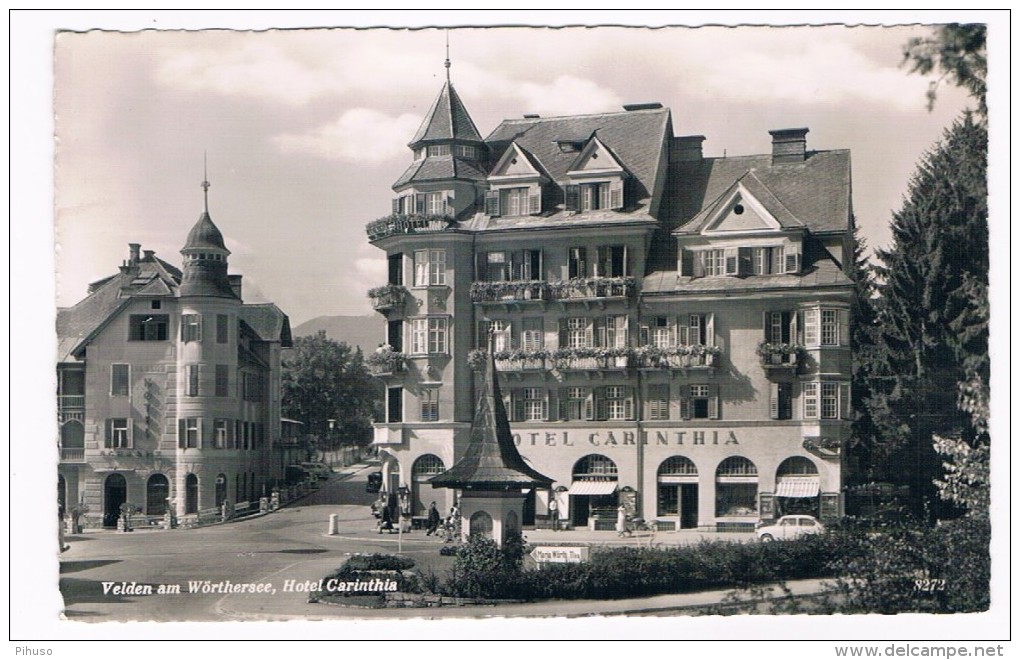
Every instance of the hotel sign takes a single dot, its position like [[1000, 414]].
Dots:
[[611, 438], [560, 554]]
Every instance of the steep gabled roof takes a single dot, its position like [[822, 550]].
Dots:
[[268, 322], [491, 461], [446, 120]]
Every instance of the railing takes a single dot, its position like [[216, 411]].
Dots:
[[407, 224], [509, 291], [589, 362], [72, 455], [780, 361], [388, 297], [70, 401], [672, 359], [592, 287], [521, 364], [386, 364]]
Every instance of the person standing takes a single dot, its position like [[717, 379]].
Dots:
[[621, 520], [433, 522], [554, 512]]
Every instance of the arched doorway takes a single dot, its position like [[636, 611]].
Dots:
[[157, 490], [797, 487], [678, 490], [61, 495], [736, 488], [114, 494], [191, 494], [221, 488], [593, 489], [422, 492], [481, 524]]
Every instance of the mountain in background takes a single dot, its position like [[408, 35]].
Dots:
[[366, 332]]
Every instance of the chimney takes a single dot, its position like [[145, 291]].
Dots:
[[149, 254], [789, 145], [654, 105], [235, 285], [531, 116], [134, 247], [687, 149]]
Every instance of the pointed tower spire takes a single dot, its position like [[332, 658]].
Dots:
[[447, 62], [205, 179]]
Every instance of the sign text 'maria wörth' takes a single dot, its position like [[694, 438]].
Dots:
[[560, 554]]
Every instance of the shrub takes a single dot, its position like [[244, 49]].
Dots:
[[379, 562]]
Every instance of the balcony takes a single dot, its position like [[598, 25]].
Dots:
[[386, 362], [393, 225], [511, 361], [777, 359], [592, 288], [680, 357], [388, 433], [590, 359], [72, 455], [388, 297], [71, 402], [503, 292]]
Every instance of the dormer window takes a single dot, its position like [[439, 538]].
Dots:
[[465, 151], [595, 180], [438, 150]]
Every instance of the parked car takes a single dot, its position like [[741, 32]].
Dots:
[[788, 527], [319, 470], [374, 484], [295, 474]]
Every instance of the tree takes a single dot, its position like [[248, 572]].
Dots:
[[932, 289], [959, 53], [325, 379]]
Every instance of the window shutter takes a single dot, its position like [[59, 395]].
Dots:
[[766, 324], [419, 204], [571, 198], [844, 400], [600, 403], [600, 339], [535, 201], [844, 327], [792, 260], [589, 405], [709, 329], [449, 210], [201, 433], [517, 398], [731, 259], [181, 442], [589, 334], [713, 402], [745, 263], [549, 407], [699, 263], [685, 407], [683, 332], [773, 400], [644, 335], [628, 404], [130, 432], [492, 203], [794, 336], [778, 263], [395, 206], [563, 334], [483, 335], [686, 263], [562, 407], [616, 194]]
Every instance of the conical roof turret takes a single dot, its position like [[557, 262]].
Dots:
[[446, 121]]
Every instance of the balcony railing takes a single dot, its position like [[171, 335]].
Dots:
[[586, 288], [388, 297], [407, 224], [588, 359], [386, 363], [66, 401], [780, 357], [683, 357], [72, 455], [509, 291]]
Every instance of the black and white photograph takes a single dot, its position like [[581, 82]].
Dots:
[[451, 326]]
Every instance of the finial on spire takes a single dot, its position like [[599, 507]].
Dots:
[[205, 179], [447, 62]]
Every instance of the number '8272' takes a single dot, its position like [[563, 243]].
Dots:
[[933, 584]]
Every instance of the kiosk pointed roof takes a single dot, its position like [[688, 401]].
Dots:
[[447, 120], [491, 461]]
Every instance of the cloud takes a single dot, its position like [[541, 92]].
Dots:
[[359, 134], [566, 95], [372, 270]]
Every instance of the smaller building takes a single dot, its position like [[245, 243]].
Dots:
[[168, 387]]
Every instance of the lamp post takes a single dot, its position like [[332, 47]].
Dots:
[[404, 505], [332, 427]]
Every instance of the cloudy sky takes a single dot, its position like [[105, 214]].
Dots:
[[306, 129]]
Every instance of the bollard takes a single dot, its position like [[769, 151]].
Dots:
[[334, 524]]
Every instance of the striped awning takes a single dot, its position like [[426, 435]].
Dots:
[[599, 487], [797, 487]]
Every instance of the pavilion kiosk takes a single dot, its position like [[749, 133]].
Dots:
[[492, 475]]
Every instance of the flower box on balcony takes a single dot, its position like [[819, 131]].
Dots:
[[582, 288], [779, 356], [385, 361], [388, 296], [508, 291], [407, 224]]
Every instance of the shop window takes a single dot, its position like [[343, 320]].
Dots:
[[736, 487]]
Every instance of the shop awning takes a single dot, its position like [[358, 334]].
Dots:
[[601, 487], [797, 487]]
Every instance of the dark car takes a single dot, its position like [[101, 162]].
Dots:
[[374, 484]]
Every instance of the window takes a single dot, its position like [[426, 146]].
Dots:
[[696, 330], [394, 405], [594, 196], [611, 331], [430, 404], [513, 201], [810, 400], [658, 402], [768, 260], [616, 403], [438, 150], [527, 265], [576, 403], [497, 268], [826, 326], [395, 267], [188, 433], [437, 335], [534, 404], [830, 327], [531, 334], [430, 268], [191, 380], [120, 379], [222, 328], [220, 433], [711, 263], [118, 433], [661, 333], [465, 151], [222, 380], [435, 203], [780, 327], [577, 262], [612, 261], [395, 335], [191, 327], [781, 401], [830, 400], [577, 333], [148, 327], [156, 304], [701, 402]]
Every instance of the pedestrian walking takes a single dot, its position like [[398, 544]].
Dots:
[[434, 519], [386, 523], [621, 520], [554, 512]]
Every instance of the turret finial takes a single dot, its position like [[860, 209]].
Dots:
[[205, 179], [447, 62]]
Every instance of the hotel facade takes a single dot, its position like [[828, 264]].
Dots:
[[168, 388], [671, 330]]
